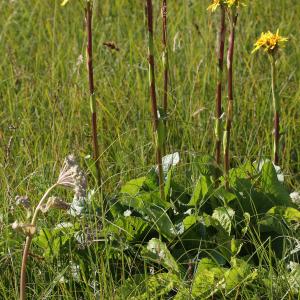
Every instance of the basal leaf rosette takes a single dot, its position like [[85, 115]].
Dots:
[[270, 42]]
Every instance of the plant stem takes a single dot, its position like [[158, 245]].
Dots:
[[219, 86], [89, 53], [165, 64], [276, 108], [28, 243], [155, 120], [229, 115]]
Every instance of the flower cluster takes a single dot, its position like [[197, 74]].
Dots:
[[226, 3], [270, 42]]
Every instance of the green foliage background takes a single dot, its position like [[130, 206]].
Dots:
[[45, 112]]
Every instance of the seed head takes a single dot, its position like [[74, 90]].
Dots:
[[27, 229], [23, 201], [72, 177], [55, 202]]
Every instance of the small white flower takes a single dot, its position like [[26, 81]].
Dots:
[[127, 213], [295, 197]]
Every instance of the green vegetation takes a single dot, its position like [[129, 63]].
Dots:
[[210, 236]]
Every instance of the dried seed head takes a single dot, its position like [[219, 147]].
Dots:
[[55, 202], [72, 177], [27, 229], [23, 201]]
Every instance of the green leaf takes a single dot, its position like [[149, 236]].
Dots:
[[236, 246], [209, 277], [289, 213], [200, 191], [239, 274], [224, 195], [224, 215], [158, 252], [133, 187], [190, 221], [141, 287], [272, 186], [131, 227], [159, 217]]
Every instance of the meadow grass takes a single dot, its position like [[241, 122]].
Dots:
[[45, 113]]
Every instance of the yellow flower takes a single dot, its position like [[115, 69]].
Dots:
[[227, 3], [231, 3], [215, 4], [270, 42]]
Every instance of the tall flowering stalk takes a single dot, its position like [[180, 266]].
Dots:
[[229, 113], [271, 43], [70, 177], [89, 54], [165, 60], [155, 119], [232, 11], [221, 46], [90, 71]]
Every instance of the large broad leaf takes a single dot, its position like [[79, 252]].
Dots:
[[208, 279], [148, 204], [276, 219], [200, 191], [133, 187], [158, 252], [272, 186], [133, 228], [239, 274], [141, 287], [288, 213], [224, 215], [161, 221]]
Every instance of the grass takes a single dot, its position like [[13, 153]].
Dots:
[[45, 113]]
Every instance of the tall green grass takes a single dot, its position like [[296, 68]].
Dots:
[[45, 115]]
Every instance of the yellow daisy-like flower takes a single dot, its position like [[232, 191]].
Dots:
[[227, 3], [215, 4], [235, 3], [270, 42]]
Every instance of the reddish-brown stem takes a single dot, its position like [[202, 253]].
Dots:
[[89, 52], [219, 85], [229, 115], [165, 54], [153, 96], [23, 268]]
